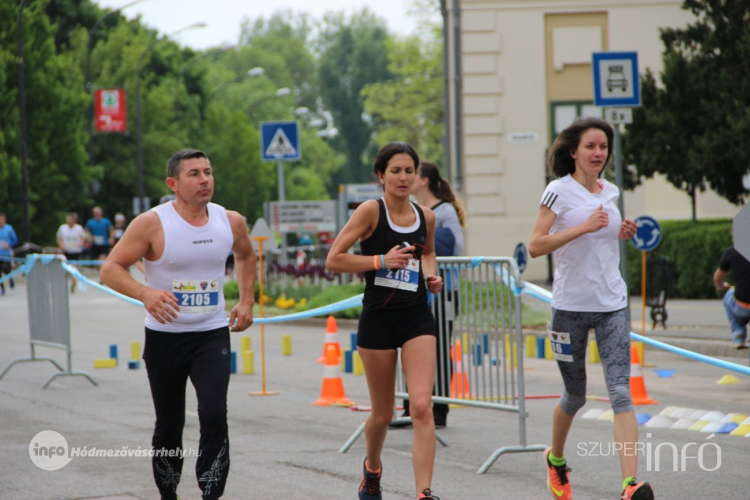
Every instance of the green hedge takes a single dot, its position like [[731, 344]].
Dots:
[[695, 249]]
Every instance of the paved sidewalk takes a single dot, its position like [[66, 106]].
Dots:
[[697, 325]]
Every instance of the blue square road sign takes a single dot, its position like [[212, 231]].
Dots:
[[616, 80], [279, 141]]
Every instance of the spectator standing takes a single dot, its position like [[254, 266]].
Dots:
[[71, 239], [8, 240]]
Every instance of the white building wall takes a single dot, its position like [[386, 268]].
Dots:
[[504, 92]]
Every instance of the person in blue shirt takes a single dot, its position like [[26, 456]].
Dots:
[[8, 240], [101, 233]]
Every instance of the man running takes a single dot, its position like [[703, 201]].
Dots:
[[184, 244], [101, 233]]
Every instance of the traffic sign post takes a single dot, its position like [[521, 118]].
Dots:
[[280, 141], [646, 238], [521, 257], [741, 232], [617, 83]]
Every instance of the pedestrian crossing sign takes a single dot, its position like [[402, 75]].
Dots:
[[279, 141]]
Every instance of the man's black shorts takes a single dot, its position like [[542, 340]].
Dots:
[[392, 328]]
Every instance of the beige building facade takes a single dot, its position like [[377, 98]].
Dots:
[[525, 75]]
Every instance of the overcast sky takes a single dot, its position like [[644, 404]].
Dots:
[[224, 16]]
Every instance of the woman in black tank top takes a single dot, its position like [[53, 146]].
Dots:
[[395, 312]]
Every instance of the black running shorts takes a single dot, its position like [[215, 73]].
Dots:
[[392, 328]]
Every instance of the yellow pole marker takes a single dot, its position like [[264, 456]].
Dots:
[[105, 363], [246, 343], [260, 240], [286, 345], [248, 362], [530, 346], [594, 352], [359, 368], [509, 353], [135, 350]]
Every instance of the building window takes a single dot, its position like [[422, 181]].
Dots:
[[563, 113]]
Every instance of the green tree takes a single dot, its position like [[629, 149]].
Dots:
[[56, 139], [353, 55], [692, 125], [410, 106]]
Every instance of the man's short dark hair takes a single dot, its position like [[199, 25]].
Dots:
[[175, 162]]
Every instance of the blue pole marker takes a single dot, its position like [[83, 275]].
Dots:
[[486, 343], [521, 256], [113, 351], [648, 235], [540, 347], [233, 365], [133, 364], [478, 355], [348, 361], [354, 341]]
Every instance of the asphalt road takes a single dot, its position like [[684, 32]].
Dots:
[[282, 447]]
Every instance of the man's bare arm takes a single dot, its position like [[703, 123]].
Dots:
[[241, 316], [136, 244]]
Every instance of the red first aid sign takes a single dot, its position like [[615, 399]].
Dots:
[[110, 110]]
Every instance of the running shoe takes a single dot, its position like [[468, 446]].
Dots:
[[557, 479], [638, 491], [427, 495], [369, 488]]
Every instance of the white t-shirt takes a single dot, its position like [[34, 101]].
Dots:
[[72, 238], [587, 274]]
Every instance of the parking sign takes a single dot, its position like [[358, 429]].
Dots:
[[616, 81]]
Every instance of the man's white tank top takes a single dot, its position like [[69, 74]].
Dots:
[[192, 268]]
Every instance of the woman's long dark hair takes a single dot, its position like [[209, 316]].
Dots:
[[567, 142], [441, 188]]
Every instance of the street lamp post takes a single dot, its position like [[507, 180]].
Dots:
[[22, 109], [139, 124], [90, 110], [203, 56], [282, 92], [252, 73]]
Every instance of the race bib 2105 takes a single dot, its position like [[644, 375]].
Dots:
[[196, 296]]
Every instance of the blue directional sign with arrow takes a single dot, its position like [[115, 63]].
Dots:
[[521, 256], [648, 235]]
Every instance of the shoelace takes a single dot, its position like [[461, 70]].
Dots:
[[562, 473], [428, 495], [372, 485]]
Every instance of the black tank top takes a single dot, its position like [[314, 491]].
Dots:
[[386, 289]]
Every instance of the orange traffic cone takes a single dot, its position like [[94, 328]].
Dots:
[[459, 379], [332, 391], [331, 332], [637, 384]]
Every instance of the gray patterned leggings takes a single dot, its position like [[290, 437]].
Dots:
[[613, 339]]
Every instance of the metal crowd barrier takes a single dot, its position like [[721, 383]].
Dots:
[[49, 315], [479, 358]]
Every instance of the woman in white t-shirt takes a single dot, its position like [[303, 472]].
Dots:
[[579, 222]]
